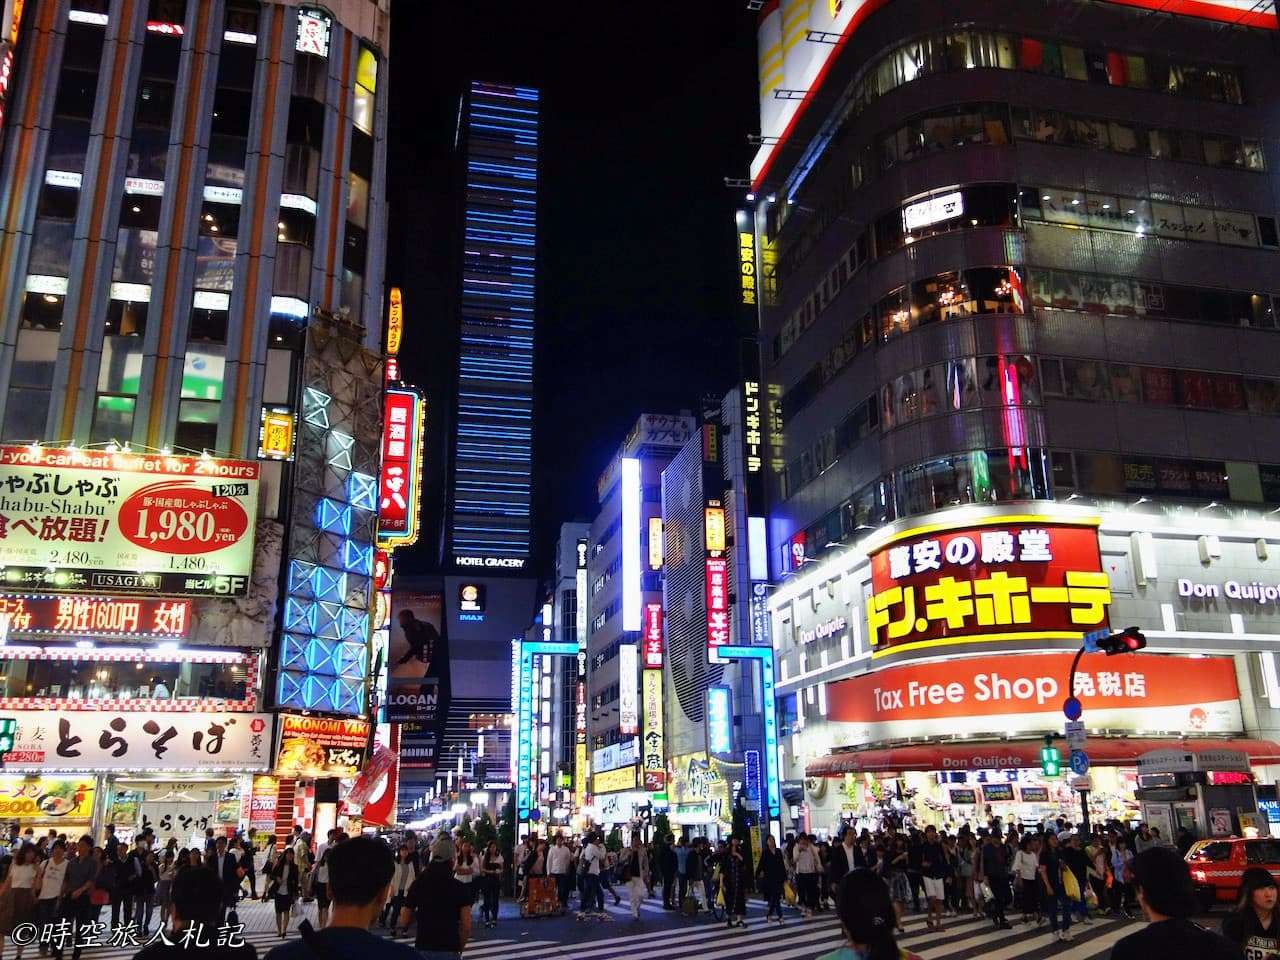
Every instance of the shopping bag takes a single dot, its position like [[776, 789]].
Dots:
[[1069, 884], [720, 895], [789, 893], [988, 894]]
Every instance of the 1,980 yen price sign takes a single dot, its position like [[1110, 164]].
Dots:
[[93, 521]]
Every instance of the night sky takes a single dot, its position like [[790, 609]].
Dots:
[[645, 109]]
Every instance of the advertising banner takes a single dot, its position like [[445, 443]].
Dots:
[[418, 678], [717, 597], [399, 487], [654, 764], [96, 617], [624, 753], [976, 695], [88, 521], [133, 742], [652, 638], [624, 778], [628, 696], [1015, 578], [262, 803], [321, 746], [46, 798]]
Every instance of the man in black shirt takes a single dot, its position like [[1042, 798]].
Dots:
[[438, 900], [196, 923], [993, 869], [1168, 900]]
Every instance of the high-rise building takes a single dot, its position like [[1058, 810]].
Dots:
[[191, 272], [1015, 266], [490, 471], [624, 577]]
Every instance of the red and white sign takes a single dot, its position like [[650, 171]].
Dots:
[[90, 521], [998, 695], [96, 617], [1026, 578], [401, 468], [717, 602], [652, 656]]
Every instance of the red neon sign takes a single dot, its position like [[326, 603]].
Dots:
[[651, 648], [97, 617], [717, 602]]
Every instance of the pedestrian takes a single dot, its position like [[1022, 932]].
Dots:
[[403, 873], [845, 856], [195, 914], [1052, 890], [491, 883], [1026, 869], [1076, 860], [915, 873], [896, 877], [1121, 878], [465, 869], [164, 886], [226, 867], [1099, 854], [120, 885], [283, 886], [806, 862], [992, 868], [967, 871], [320, 883], [867, 920], [667, 866], [82, 871], [17, 894], [1144, 840], [590, 863], [1167, 897], [560, 869], [771, 875], [693, 868], [608, 872], [438, 900], [142, 884], [682, 870], [935, 869], [1253, 926], [50, 884], [733, 883], [247, 865], [633, 867]]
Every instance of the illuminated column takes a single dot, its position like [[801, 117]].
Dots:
[[772, 806]]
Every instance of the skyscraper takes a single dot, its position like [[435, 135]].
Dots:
[[488, 500]]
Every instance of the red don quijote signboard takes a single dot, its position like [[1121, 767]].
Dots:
[[1024, 694], [1015, 578]]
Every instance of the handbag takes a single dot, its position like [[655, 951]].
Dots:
[[789, 893], [1069, 885], [99, 897]]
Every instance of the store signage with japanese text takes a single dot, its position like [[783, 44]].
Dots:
[[46, 798], [313, 31], [137, 741], [1019, 579], [753, 427], [747, 262], [624, 778], [96, 617], [655, 543], [624, 753], [715, 528], [628, 694], [262, 802], [81, 521], [401, 477], [395, 321], [321, 746], [276, 429], [654, 764], [1024, 694], [717, 602], [652, 639], [760, 633], [719, 720]]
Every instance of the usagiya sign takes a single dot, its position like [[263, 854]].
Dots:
[[1004, 578], [1023, 694]]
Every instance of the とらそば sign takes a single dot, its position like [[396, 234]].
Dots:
[[92, 521], [321, 746], [1015, 579], [1014, 695], [108, 740]]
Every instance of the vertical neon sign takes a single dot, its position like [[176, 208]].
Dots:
[[631, 615]]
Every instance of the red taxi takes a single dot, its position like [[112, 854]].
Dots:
[[1218, 865]]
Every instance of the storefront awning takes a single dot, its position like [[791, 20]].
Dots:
[[1004, 755]]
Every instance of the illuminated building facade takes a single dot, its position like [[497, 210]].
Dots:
[[488, 502], [624, 580], [1014, 267], [191, 272]]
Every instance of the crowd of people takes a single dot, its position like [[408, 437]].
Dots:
[[1056, 875]]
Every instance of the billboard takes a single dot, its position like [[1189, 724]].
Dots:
[[321, 746], [418, 676], [717, 597], [1013, 695], [652, 636], [89, 521], [628, 696], [98, 618], [400, 480], [653, 754], [49, 741], [1011, 578]]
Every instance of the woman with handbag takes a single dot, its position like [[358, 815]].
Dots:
[[771, 875], [283, 887]]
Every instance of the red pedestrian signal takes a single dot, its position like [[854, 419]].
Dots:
[[1129, 640]]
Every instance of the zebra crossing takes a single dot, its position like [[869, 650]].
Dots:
[[617, 935]]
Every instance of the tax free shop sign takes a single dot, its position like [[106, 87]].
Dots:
[[1022, 695]]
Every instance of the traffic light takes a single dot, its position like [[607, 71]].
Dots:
[[1129, 640], [8, 730], [1050, 758]]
